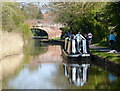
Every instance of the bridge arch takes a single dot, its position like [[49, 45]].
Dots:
[[40, 33]]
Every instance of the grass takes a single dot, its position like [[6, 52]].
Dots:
[[98, 44], [112, 57], [55, 38]]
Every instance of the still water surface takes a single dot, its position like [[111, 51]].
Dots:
[[44, 67]]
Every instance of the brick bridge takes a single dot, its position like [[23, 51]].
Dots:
[[52, 28]]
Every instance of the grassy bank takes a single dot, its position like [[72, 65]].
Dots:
[[110, 56], [57, 38]]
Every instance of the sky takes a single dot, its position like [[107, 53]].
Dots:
[[44, 11], [40, 4]]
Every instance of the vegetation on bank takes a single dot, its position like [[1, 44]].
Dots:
[[14, 15], [55, 38], [110, 56], [99, 18]]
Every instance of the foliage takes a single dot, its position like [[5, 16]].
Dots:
[[31, 11], [80, 17], [95, 17], [25, 31], [113, 10], [65, 29], [33, 48], [14, 14]]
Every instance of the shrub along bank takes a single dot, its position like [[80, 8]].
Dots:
[[14, 14], [15, 31]]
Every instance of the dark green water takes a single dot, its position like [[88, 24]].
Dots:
[[43, 67]]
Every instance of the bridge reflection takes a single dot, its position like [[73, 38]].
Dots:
[[52, 55]]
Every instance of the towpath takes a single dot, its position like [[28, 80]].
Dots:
[[102, 49]]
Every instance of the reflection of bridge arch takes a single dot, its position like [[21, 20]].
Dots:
[[52, 55]]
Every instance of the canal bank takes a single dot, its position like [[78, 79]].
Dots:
[[103, 56], [11, 53]]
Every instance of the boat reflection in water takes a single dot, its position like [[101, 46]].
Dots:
[[76, 72]]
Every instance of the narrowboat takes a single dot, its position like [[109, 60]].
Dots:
[[76, 47]]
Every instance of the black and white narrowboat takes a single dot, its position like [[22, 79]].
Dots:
[[76, 47]]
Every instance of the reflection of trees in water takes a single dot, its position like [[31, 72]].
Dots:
[[33, 48], [37, 43], [99, 79], [108, 85], [38, 48], [33, 67]]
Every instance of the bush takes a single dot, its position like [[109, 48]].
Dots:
[[26, 32]]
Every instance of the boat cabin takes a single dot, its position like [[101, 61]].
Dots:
[[76, 46]]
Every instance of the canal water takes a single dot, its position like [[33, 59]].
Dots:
[[44, 67]]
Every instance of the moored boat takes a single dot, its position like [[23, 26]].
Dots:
[[76, 47]]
